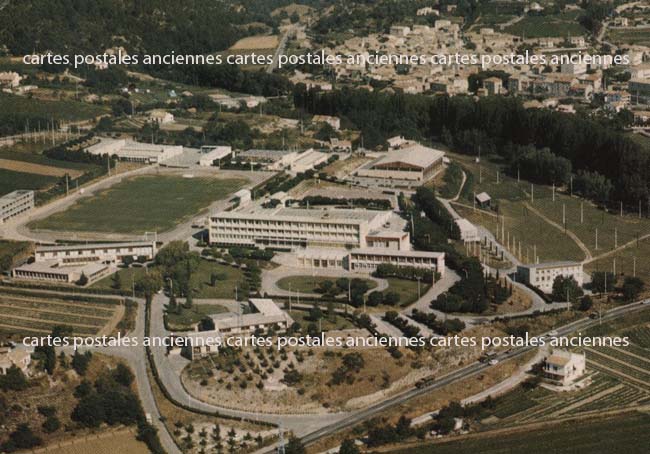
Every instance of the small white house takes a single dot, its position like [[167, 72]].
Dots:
[[564, 368]]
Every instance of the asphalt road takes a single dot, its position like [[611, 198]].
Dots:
[[466, 372]]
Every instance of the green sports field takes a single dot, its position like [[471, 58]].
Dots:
[[146, 203]]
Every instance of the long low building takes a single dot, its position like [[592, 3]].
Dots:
[[299, 227], [54, 273], [408, 166], [542, 275], [106, 253], [68, 263], [15, 203], [367, 260], [128, 150], [264, 314]]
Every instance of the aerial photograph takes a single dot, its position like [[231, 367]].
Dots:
[[325, 226]]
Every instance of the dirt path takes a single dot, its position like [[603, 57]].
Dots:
[[573, 236], [112, 323], [620, 248]]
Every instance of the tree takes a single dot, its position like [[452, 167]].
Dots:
[[566, 288], [632, 287], [189, 301], [51, 424], [150, 283], [348, 447], [117, 281], [123, 375], [21, 438], [586, 303], [295, 446], [602, 281], [80, 362], [83, 280], [13, 380]]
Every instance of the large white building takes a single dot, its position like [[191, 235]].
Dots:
[[128, 150], [15, 203], [106, 253], [368, 259], [542, 275], [297, 227], [67, 263], [409, 166], [264, 314], [352, 239], [210, 154]]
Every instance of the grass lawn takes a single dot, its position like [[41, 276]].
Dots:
[[309, 284], [188, 317], [127, 277], [327, 325], [146, 203], [224, 289], [526, 226], [628, 433], [10, 181], [406, 289]]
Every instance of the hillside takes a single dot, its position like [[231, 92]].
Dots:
[[144, 26]]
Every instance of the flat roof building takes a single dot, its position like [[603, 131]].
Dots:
[[542, 275], [367, 260], [210, 154], [10, 356], [15, 203], [128, 150], [564, 368], [410, 165], [296, 227], [54, 272], [107, 253]]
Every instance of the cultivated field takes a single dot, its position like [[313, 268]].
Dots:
[[103, 443], [256, 42], [146, 203], [628, 433], [57, 110], [37, 169], [634, 36], [36, 315]]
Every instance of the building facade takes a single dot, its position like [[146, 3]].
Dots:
[[542, 275], [295, 227], [15, 203], [106, 253], [564, 368]]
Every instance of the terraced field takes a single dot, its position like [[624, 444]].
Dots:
[[20, 315]]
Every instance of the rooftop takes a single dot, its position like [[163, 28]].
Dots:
[[416, 155], [74, 247]]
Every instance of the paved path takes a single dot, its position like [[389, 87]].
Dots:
[[271, 277]]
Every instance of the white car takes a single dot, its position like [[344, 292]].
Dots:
[[492, 362]]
